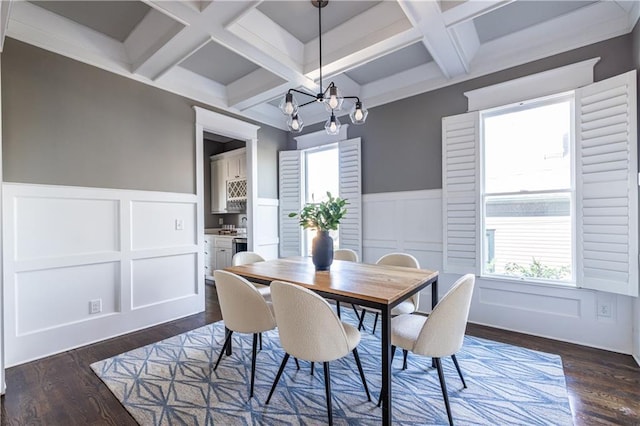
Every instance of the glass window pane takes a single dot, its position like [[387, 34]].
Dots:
[[528, 149], [529, 236], [322, 174]]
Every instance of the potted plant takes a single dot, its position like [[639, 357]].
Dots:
[[324, 216]]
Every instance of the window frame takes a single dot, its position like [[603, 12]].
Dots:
[[483, 195]]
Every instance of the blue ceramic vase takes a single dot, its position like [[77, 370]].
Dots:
[[322, 251]]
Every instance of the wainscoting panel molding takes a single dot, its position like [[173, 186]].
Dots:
[[85, 264], [411, 222], [267, 237]]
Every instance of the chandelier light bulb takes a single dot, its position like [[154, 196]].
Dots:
[[295, 124], [358, 114], [289, 106], [333, 102], [332, 126]]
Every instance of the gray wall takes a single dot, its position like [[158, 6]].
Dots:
[[401, 141], [68, 123]]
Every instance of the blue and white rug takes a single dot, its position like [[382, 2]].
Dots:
[[173, 382]]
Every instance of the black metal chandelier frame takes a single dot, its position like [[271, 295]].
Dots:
[[330, 96]]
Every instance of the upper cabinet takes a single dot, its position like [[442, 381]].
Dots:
[[227, 171]]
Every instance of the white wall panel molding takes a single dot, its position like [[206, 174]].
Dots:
[[267, 240], [411, 221], [67, 246]]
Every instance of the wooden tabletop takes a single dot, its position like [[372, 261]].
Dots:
[[374, 283]]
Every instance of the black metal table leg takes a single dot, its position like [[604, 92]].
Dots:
[[386, 366], [434, 293]]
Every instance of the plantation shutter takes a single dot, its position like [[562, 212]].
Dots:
[[350, 229], [460, 189], [607, 185], [290, 190]]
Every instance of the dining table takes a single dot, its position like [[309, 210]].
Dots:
[[380, 287]]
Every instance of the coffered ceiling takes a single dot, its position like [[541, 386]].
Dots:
[[242, 56]]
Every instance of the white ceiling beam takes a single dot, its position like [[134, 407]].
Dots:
[[427, 17], [465, 37], [154, 31], [468, 10], [5, 11], [254, 88], [378, 30]]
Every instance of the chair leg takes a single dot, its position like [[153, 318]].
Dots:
[[360, 324], [275, 382], [355, 311], [393, 352], [364, 381], [227, 341], [404, 358], [327, 387], [297, 363], [375, 322], [253, 362], [455, 361], [312, 364], [338, 308], [260, 341], [444, 389]]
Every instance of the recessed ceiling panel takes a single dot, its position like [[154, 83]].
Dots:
[[400, 60], [519, 15], [115, 19], [300, 18], [219, 64]]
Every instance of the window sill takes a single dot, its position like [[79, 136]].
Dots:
[[539, 283]]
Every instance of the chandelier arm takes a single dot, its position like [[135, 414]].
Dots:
[[351, 97], [303, 93], [332, 84], [307, 103]]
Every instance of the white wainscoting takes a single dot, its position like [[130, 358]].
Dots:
[[66, 246], [267, 238], [411, 221]]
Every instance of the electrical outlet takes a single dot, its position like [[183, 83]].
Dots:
[[604, 309], [220, 221], [95, 306], [179, 225]]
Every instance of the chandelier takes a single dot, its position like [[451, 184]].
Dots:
[[330, 97]]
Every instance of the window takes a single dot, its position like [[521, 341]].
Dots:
[[544, 165], [528, 191], [322, 175]]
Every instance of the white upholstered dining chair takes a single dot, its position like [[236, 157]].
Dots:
[[244, 310], [345, 254], [441, 334], [406, 306], [247, 258], [310, 330]]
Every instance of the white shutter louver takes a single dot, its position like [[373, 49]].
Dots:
[[607, 185], [350, 229], [460, 190], [290, 191]]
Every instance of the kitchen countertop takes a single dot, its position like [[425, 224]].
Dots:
[[241, 233]]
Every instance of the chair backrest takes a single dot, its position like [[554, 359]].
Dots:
[[245, 258], [243, 308], [443, 333], [402, 259], [345, 254], [399, 259], [309, 329]]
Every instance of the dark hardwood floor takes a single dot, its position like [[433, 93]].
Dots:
[[604, 387]]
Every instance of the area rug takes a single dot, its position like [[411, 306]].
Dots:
[[173, 382]]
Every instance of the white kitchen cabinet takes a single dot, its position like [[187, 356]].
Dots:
[[228, 166], [237, 166], [209, 256], [218, 186], [223, 252]]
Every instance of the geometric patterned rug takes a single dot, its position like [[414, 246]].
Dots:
[[173, 382]]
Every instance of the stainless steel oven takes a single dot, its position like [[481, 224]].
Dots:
[[239, 244]]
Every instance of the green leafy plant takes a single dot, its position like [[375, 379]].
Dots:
[[537, 270], [323, 216]]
